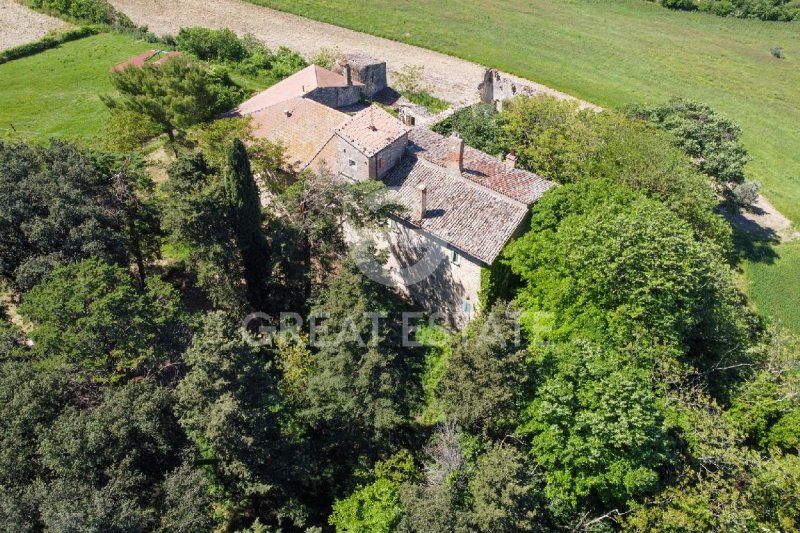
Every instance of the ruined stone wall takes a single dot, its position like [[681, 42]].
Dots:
[[495, 89], [367, 70]]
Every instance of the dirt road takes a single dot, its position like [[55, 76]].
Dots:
[[452, 79], [20, 25]]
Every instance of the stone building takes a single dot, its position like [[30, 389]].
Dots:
[[461, 205]]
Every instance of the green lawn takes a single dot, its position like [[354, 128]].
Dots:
[[773, 286], [55, 92], [616, 52]]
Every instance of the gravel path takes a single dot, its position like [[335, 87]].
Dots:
[[451, 79], [20, 25]]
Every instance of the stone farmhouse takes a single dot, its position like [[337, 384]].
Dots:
[[461, 203]]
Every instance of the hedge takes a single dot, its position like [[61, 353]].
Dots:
[[47, 42]]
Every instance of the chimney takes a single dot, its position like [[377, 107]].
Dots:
[[348, 74], [287, 112], [423, 201], [455, 154], [511, 159]]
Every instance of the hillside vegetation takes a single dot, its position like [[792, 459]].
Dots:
[[615, 53]]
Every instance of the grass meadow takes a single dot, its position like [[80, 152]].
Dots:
[[55, 92], [773, 286]]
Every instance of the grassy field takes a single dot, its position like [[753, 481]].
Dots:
[[55, 93], [772, 286], [616, 52]]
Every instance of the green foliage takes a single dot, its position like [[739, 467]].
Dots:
[[197, 216], [89, 321], [91, 11], [57, 207], [551, 137], [409, 82], [245, 210], [365, 383], [128, 130], [375, 507], [507, 494], [438, 347], [479, 125], [245, 55], [103, 467], [486, 374], [47, 42], [229, 404], [175, 95], [626, 262], [31, 401], [554, 138], [211, 45], [712, 141], [596, 424], [780, 10]]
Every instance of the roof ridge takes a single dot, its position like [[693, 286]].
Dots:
[[471, 182]]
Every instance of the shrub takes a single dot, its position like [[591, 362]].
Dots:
[[47, 42], [746, 194], [685, 5], [780, 10], [777, 52], [93, 11], [208, 44], [327, 57]]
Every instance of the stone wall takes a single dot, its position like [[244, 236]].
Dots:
[[351, 163], [449, 287], [495, 89], [336, 97], [386, 159], [367, 70]]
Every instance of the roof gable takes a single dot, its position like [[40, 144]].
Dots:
[[481, 168], [474, 219], [298, 84], [304, 127], [372, 130]]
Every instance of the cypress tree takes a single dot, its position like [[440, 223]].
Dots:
[[246, 218]]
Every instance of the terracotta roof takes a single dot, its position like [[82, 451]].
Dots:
[[306, 131], [372, 130], [298, 84], [481, 168], [477, 211], [472, 218], [140, 60]]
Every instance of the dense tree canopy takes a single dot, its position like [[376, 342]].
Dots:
[[89, 321], [614, 377]]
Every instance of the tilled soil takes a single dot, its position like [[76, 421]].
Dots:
[[20, 25], [451, 79]]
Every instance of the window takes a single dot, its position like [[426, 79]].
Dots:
[[455, 258], [466, 306], [380, 163]]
